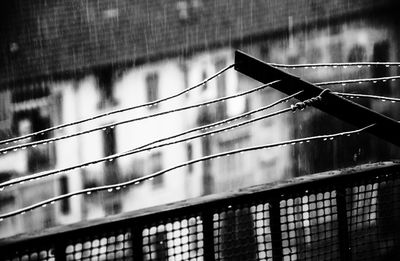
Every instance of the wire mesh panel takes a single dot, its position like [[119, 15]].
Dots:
[[174, 240], [309, 226], [115, 245], [352, 214], [373, 214], [235, 233]]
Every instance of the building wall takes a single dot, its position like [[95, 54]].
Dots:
[[80, 98], [82, 95]]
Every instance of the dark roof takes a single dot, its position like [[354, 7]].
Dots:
[[44, 37]]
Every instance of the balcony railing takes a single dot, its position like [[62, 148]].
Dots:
[[350, 214]]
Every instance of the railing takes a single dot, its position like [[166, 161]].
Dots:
[[350, 214]]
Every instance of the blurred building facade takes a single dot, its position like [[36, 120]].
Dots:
[[64, 61]]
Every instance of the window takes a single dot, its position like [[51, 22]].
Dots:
[[105, 85], [5, 114], [357, 54], [203, 77], [64, 189], [189, 153], [30, 113], [32, 120], [109, 142], [112, 202], [109, 147], [155, 166], [5, 100], [57, 109], [206, 165], [152, 88]]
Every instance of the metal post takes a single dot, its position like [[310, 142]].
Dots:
[[276, 233], [360, 116], [343, 229], [137, 241], [208, 236], [59, 251]]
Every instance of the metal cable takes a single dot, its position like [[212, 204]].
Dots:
[[148, 104], [334, 65], [375, 97], [112, 125], [373, 80], [146, 147], [41, 175], [119, 186]]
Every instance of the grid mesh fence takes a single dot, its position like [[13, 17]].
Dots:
[[373, 214], [30, 254], [235, 232], [309, 226], [115, 245], [174, 239], [353, 215]]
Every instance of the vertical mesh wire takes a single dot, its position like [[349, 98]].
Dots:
[[310, 219]]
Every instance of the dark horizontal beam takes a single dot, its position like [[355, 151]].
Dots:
[[360, 116]]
